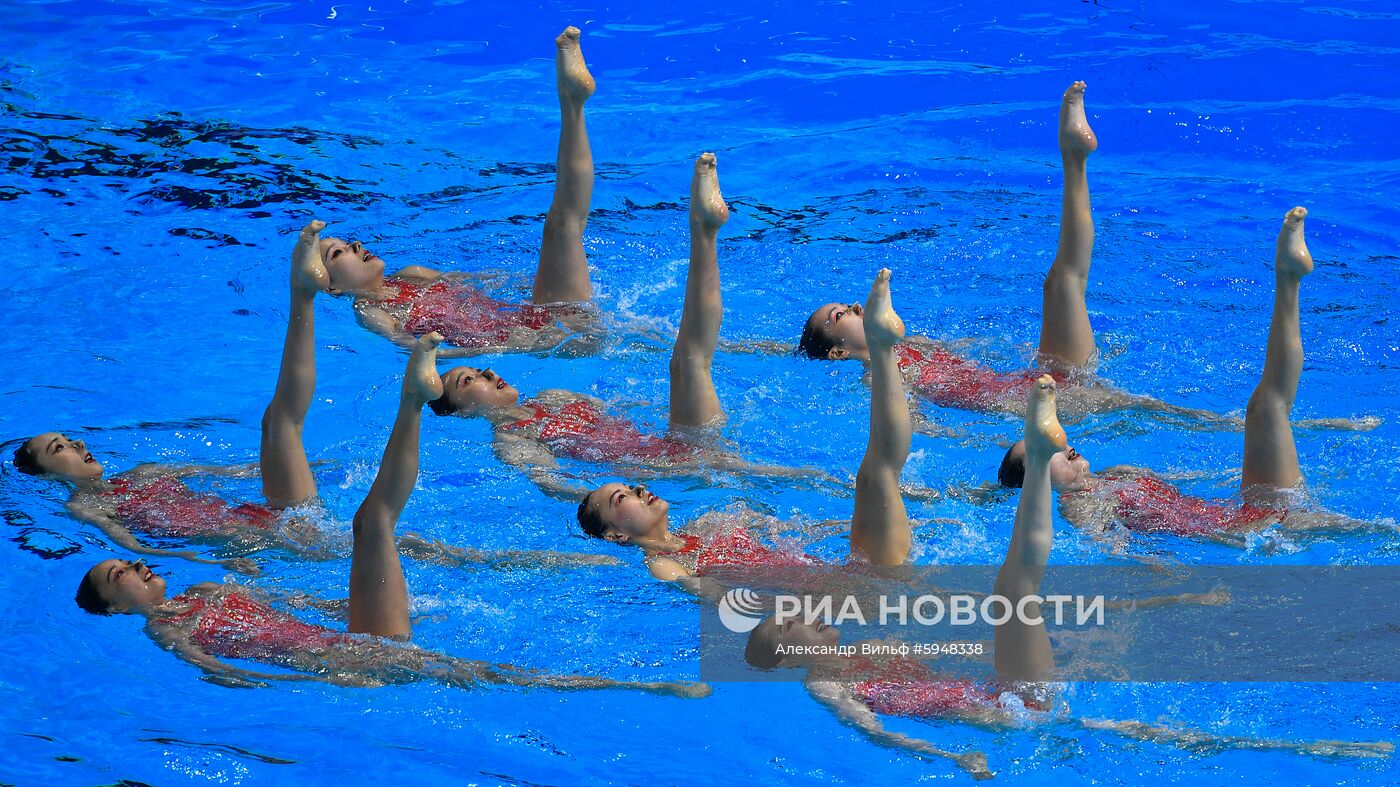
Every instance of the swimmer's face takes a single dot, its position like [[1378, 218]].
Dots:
[[471, 390], [62, 458], [628, 512], [797, 635], [842, 324], [126, 586], [351, 266], [1068, 470]]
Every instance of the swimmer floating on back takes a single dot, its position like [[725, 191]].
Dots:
[[880, 532], [151, 501], [857, 687], [417, 299], [553, 424], [210, 622], [1136, 499], [836, 331]]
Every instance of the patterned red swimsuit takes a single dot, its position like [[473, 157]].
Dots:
[[165, 507], [952, 381], [904, 686], [581, 430], [734, 547], [1148, 505], [236, 626], [464, 315]]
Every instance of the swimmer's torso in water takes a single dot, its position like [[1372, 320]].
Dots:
[[581, 429], [227, 622], [733, 545], [466, 316], [949, 380], [904, 686], [166, 507], [1143, 503]]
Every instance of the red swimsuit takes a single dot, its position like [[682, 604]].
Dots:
[[581, 430], [735, 547], [236, 626], [904, 686], [464, 315], [1147, 505], [952, 381], [166, 507]]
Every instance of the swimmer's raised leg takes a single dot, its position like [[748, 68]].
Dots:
[[286, 474], [562, 275], [1270, 456], [693, 398], [1022, 651], [1065, 334], [378, 592], [880, 525]]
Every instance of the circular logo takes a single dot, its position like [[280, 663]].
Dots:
[[741, 610]]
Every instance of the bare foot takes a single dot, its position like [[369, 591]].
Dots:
[[883, 328], [1044, 435], [308, 270], [706, 203], [575, 83], [1291, 257], [1076, 138], [420, 379]]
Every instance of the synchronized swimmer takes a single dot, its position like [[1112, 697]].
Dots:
[[420, 308]]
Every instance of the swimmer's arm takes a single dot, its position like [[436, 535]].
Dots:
[[419, 273], [384, 324], [588, 334], [757, 347], [727, 461], [217, 672], [431, 551], [1329, 522], [245, 470], [1208, 743], [839, 700], [537, 463], [125, 539], [463, 672]]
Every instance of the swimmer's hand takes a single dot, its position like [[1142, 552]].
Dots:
[[232, 681], [354, 680], [243, 565], [309, 275]]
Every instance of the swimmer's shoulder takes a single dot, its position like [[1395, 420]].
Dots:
[[418, 273], [667, 569], [562, 396]]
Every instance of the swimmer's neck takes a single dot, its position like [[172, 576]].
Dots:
[[376, 292], [661, 541], [505, 416]]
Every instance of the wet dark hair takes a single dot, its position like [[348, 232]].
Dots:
[[816, 342], [89, 599], [1012, 472], [27, 459], [760, 654], [440, 406], [591, 519]]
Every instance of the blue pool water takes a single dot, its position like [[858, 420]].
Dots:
[[159, 155]]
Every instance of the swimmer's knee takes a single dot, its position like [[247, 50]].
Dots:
[[1060, 279], [1265, 404]]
